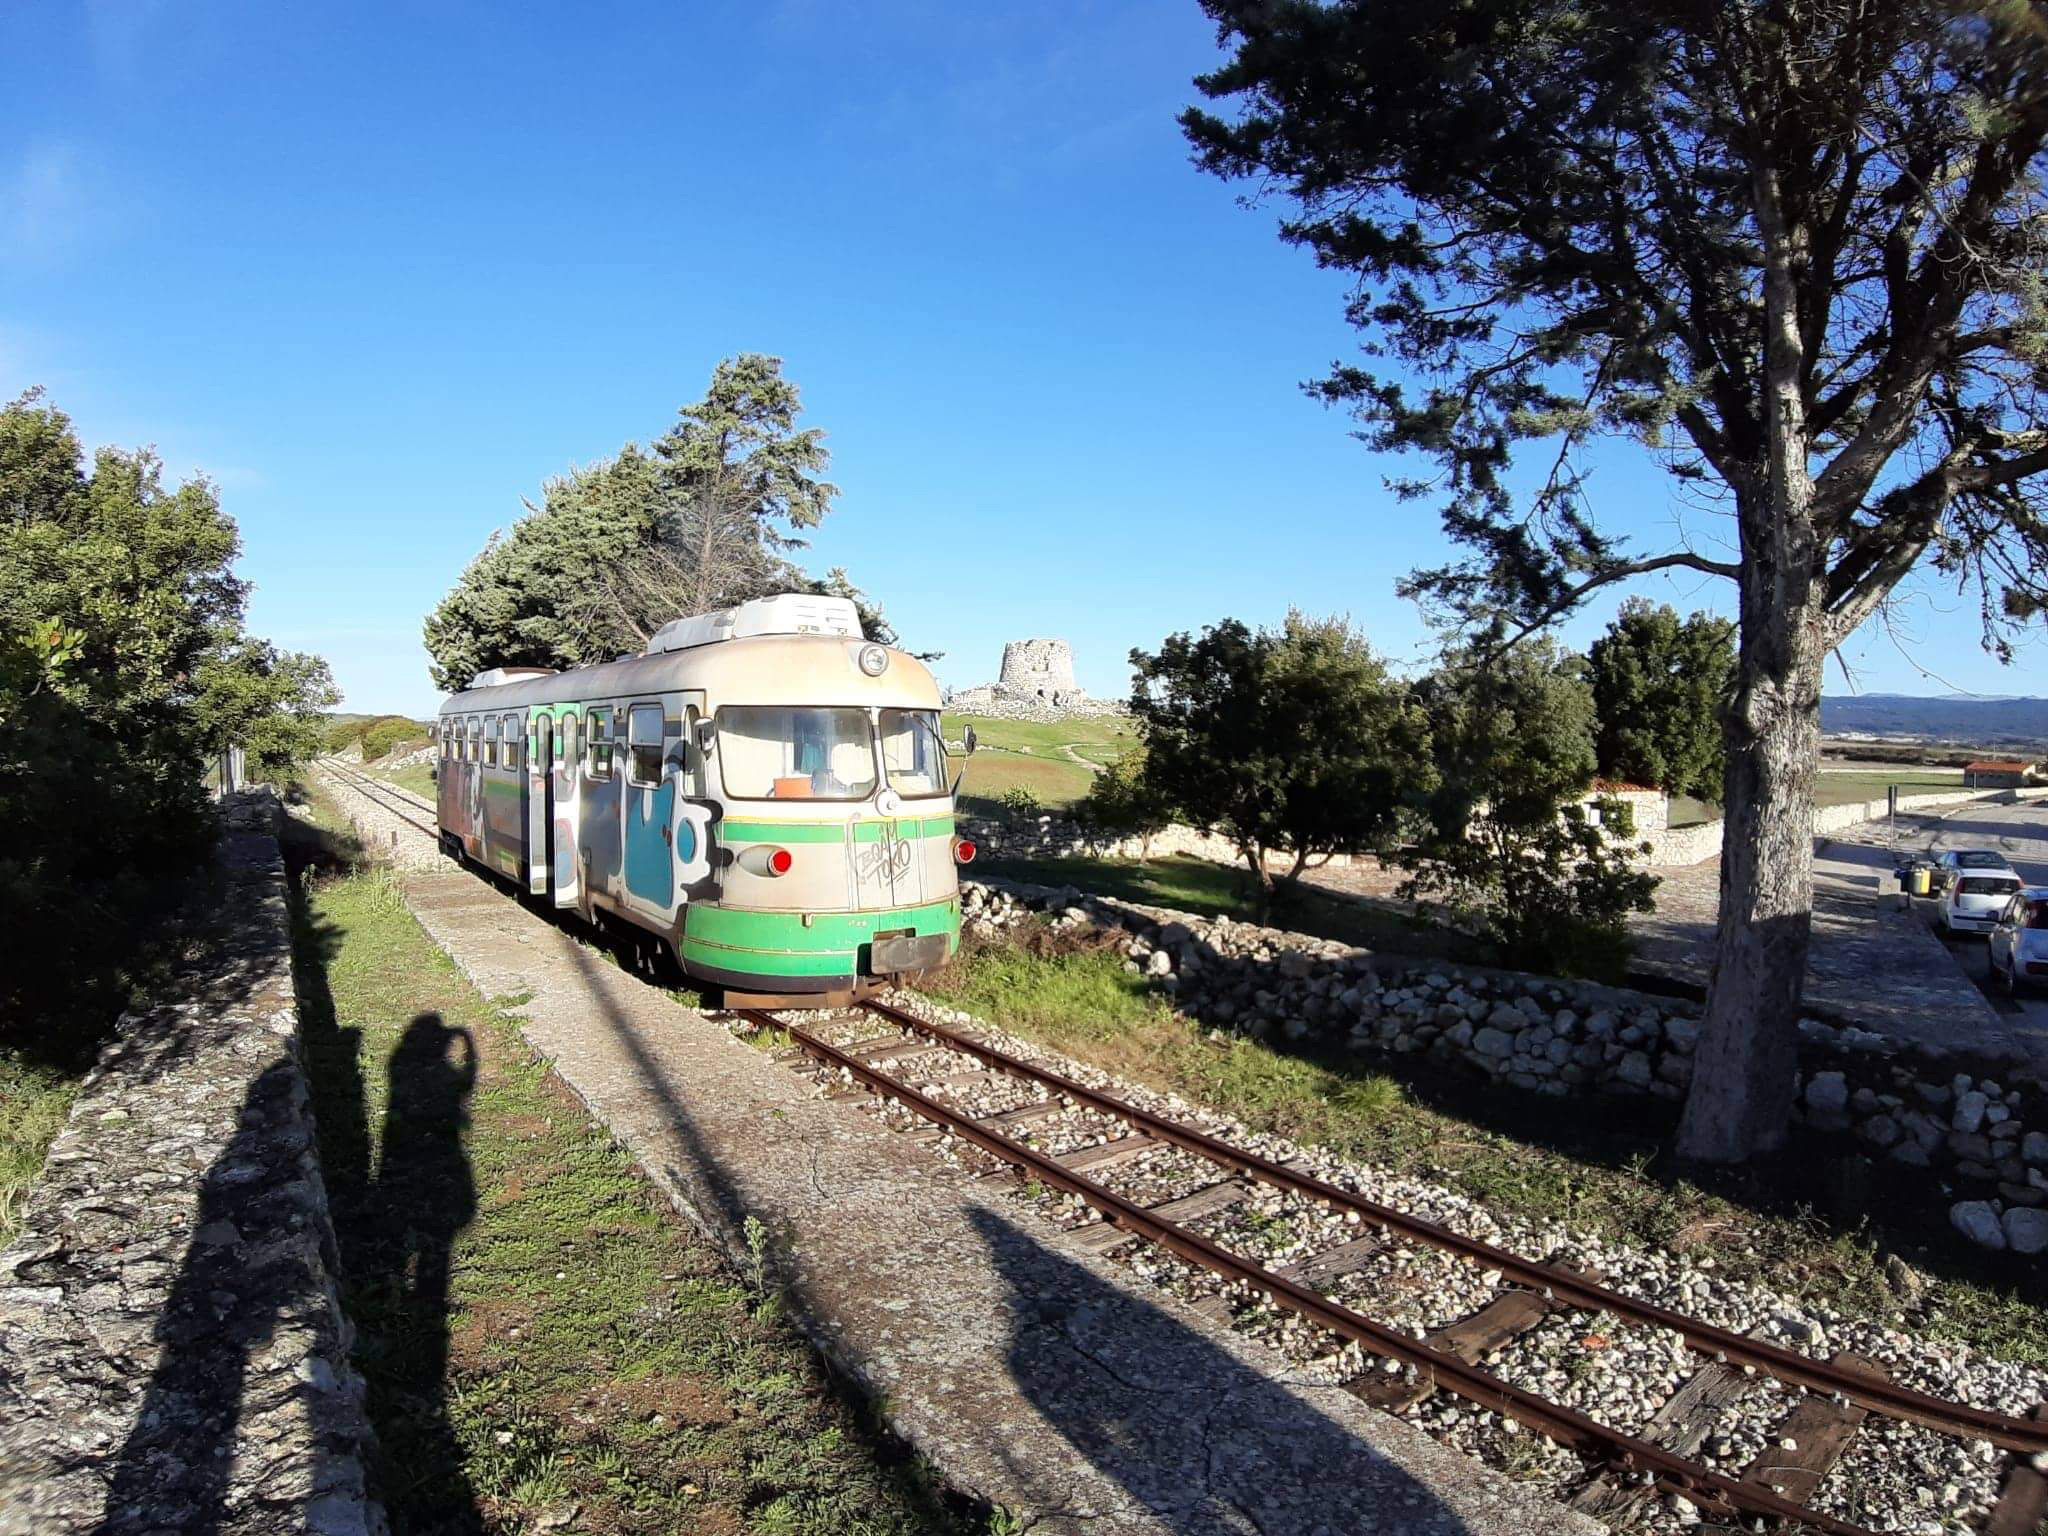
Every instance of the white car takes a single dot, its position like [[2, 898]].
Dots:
[[1974, 898], [2019, 944]]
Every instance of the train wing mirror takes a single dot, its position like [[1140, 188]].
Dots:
[[967, 740], [707, 733]]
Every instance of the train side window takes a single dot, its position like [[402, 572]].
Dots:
[[512, 737], [643, 744], [572, 741], [476, 739], [599, 735], [491, 742]]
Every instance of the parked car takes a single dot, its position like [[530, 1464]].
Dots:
[[1974, 897], [1958, 861], [2019, 944]]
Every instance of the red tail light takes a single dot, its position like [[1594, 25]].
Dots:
[[779, 861], [963, 850]]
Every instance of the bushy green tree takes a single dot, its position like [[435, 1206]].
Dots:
[[1510, 847], [1660, 684], [1123, 803], [1293, 741], [1794, 249], [708, 516], [123, 671]]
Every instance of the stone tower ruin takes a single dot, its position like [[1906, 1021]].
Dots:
[[1040, 669]]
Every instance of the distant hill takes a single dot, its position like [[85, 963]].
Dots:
[[1954, 717]]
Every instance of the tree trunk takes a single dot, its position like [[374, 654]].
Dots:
[[1741, 1098]]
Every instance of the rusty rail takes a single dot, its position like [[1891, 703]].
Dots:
[[1711, 1491], [2025, 1436]]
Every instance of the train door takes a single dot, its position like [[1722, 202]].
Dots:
[[599, 802], [664, 833], [544, 768], [567, 821], [536, 798], [473, 787]]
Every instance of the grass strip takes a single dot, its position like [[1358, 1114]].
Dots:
[[546, 1346], [34, 1099], [1804, 1228]]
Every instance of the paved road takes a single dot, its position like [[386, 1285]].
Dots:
[[1862, 861]]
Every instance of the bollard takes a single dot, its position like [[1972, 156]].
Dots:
[[394, 839]]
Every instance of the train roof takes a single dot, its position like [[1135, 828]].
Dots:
[[763, 669]]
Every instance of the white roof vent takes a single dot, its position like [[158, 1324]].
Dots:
[[497, 675], [787, 613]]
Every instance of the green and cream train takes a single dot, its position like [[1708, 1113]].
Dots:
[[763, 790]]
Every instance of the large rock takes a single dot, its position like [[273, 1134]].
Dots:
[[2034, 1147], [1634, 1068], [1493, 1042], [2026, 1229], [1969, 1115], [1827, 1093], [1977, 1221]]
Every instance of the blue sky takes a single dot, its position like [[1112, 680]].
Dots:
[[380, 269]]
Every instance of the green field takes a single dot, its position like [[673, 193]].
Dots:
[[1030, 755], [1869, 784]]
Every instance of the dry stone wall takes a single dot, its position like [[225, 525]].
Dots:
[[173, 1353], [1932, 1114]]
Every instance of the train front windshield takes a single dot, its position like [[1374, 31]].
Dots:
[[913, 752], [779, 752]]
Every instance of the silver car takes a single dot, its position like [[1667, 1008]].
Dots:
[[1975, 898], [2019, 944]]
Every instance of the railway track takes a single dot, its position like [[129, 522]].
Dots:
[[919, 1064], [401, 803]]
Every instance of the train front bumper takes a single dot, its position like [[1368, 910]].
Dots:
[[816, 951]]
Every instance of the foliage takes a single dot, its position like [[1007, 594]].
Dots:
[[1020, 804], [123, 671], [1295, 741], [1122, 803], [705, 517], [1795, 250], [1660, 684], [1509, 847], [374, 735]]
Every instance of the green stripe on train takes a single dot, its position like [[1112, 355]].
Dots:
[[779, 944], [733, 831]]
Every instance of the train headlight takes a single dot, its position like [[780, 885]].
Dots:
[[874, 660], [963, 850], [765, 859]]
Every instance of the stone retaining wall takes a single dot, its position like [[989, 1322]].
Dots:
[[173, 1353], [1060, 837], [1921, 1108]]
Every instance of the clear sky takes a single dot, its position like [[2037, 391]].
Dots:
[[380, 269]]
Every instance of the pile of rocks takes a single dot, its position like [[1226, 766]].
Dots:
[[1908, 1104]]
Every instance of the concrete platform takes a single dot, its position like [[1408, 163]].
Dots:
[[1042, 1381]]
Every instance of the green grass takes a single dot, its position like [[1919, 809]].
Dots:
[[1055, 782], [1602, 1172], [1869, 784], [1197, 885], [415, 776], [1028, 755], [34, 1099], [1110, 732], [543, 1339]]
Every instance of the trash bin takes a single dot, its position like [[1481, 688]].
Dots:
[[1920, 879]]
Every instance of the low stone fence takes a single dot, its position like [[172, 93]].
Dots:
[[1061, 837], [173, 1354], [1921, 1108]]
